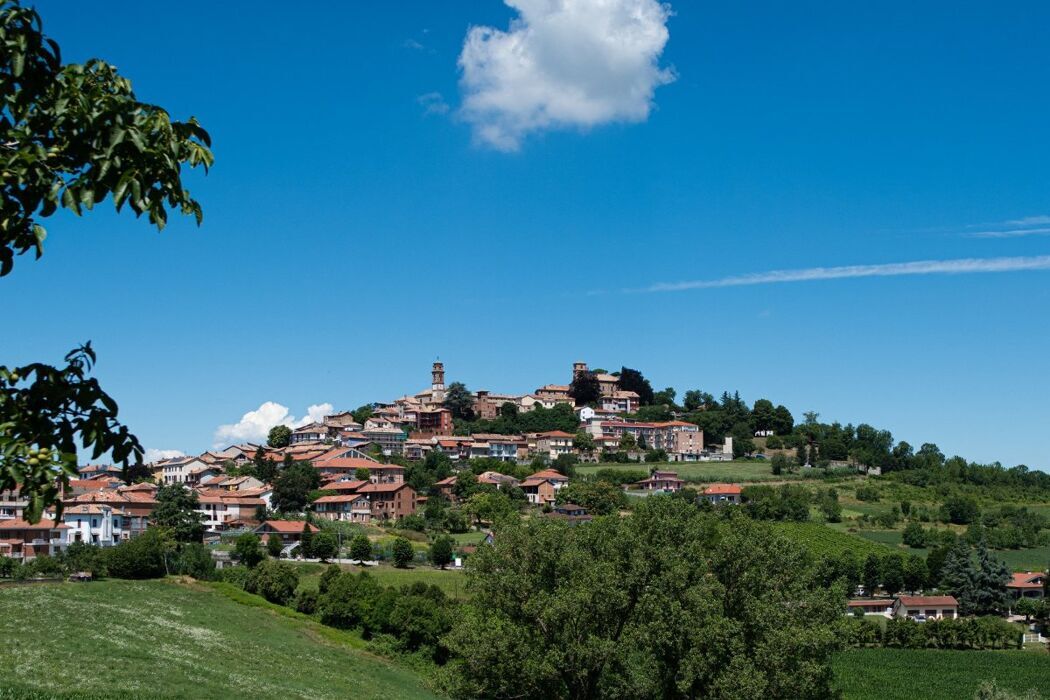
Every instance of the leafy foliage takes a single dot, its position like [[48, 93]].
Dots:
[[667, 602], [176, 510], [279, 436], [44, 412], [73, 135]]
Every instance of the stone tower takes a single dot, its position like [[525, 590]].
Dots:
[[437, 383], [578, 368]]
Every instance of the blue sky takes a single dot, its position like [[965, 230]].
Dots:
[[377, 203]]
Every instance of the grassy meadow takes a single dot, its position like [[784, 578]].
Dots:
[[163, 639], [451, 581], [701, 472]]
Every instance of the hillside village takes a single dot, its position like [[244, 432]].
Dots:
[[355, 464]]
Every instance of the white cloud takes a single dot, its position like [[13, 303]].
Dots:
[[153, 454], [921, 267], [255, 425], [1011, 233], [433, 103], [563, 63], [1040, 220], [412, 44]]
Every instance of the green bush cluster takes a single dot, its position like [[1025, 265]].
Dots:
[[946, 633]]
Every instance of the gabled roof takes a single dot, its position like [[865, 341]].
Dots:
[[1027, 580], [550, 474], [19, 524], [723, 490], [555, 434], [920, 600], [348, 498], [383, 488], [287, 526]]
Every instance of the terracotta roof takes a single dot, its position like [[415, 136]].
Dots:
[[343, 485], [555, 433], [533, 481], [1025, 580], [383, 488], [348, 498], [288, 526], [353, 463], [887, 602], [723, 489], [447, 481], [18, 524], [920, 600], [549, 474]]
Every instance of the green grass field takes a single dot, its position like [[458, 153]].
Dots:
[[162, 639], [451, 581], [929, 674], [821, 539], [701, 471]]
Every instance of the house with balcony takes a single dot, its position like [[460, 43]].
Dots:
[[931, 607], [389, 501], [23, 540], [553, 443], [12, 505], [351, 507], [661, 481], [1027, 585], [288, 531]]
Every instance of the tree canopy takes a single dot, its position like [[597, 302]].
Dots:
[[666, 603]]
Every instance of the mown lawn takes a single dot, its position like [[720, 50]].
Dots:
[[929, 674], [451, 581], [162, 639]]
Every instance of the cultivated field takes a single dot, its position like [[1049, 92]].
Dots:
[[929, 674], [163, 639], [821, 539]]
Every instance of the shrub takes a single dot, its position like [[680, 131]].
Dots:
[[81, 556], [138, 558], [914, 535], [330, 574], [248, 549], [274, 580], [347, 601], [361, 548], [274, 545], [619, 477], [306, 601], [411, 522], [869, 494], [403, 553], [195, 560], [236, 575]]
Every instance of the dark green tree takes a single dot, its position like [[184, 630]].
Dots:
[[176, 511], [596, 497], [274, 546], [325, 546], [403, 553], [361, 548], [459, 401], [893, 573], [871, 575], [441, 551], [292, 487], [660, 603], [585, 388], [279, 436], [248, 550], [633, 380]]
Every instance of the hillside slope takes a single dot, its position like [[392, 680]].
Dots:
[[149, 639]]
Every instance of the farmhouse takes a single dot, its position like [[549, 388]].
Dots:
[[661, 481], [723, 493], [349, 507], [290, 531], [1026, 585], [932, 607]]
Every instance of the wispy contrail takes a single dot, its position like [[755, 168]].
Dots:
[[920, 267]]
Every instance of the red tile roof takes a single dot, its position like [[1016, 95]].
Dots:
[[18, 524], [348, 498], [549, 474], [1025, 580], [723, 489], [288, 526], [920, 600], [383, 488]]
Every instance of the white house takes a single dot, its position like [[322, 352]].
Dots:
[[94, 523]]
